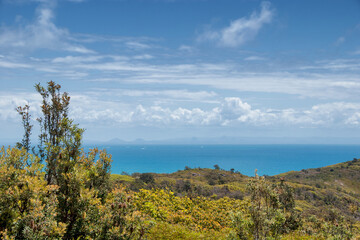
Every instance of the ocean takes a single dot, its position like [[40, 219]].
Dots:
[[268, 159]]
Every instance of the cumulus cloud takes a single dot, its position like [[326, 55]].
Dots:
[[235, 110], [40, 34], [241, 30], [231, 111]]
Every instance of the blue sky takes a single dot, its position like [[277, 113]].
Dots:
[[166, 69]]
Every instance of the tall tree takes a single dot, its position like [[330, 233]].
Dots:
[[25, 116], [72, 171], [55, 127]]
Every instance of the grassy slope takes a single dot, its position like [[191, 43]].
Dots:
[[319, 190], [343, 177]]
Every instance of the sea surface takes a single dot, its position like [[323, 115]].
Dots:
[[268, 159]]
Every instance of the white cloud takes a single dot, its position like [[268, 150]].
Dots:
[[354, 119], [8, 64], [136, 70], [174, 94], [235, 110], [78, 49], [41, 34], [143, 57], [340, 41], [338, 114], [254, 58], [230, 111], [335, 65], [186, 48], [9, 102], [227, 76], [76, 59], [241, 30], [137, 45]]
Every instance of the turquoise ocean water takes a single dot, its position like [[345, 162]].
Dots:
[[268, 159]]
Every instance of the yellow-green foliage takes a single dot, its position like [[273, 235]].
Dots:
[[27, 203], [121, 178], [165, 231], [198, 214], [30, 208]]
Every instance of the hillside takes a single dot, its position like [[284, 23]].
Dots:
[[322, 191], [344, 177]]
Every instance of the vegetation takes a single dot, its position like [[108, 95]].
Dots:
[[57, 191]]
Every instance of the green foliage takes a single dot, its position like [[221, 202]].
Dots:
[[269, 213], [165, 231], [147, 178], [25, 117], [118, 179], [323, 189], [77, 208], [57, 131], [122, 219], [198, 214], [73, 198], [27, 204], [337, 228]]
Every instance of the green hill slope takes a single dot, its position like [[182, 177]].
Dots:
[[344, 177], [327, 191]]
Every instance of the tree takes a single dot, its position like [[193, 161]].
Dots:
[[71, 197], [80, 178], [56, 129], [270, 212], [25, 116]]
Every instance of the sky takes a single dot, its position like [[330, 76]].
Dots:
[[187, 69]]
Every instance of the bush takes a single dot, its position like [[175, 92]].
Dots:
[[147, 178]]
